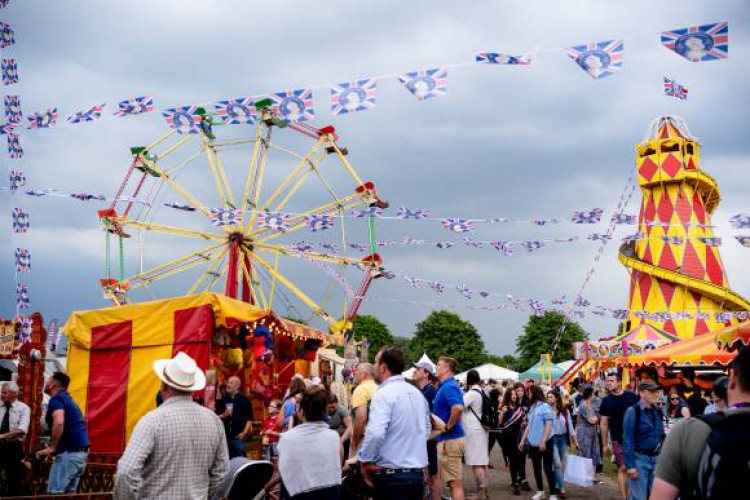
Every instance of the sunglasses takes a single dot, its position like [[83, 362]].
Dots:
[[674, 399]]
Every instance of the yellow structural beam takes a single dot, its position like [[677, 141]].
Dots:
[[172, 230]]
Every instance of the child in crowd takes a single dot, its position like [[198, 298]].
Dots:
[[270, 432]]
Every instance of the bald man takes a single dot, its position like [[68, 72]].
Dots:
[[236, 412], [364, 376]]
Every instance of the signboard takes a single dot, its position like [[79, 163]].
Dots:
[[611, 349], [7, 338]]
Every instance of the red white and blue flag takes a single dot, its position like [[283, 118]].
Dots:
[[23, 260], [744, 240], [20, 220], [274, 221], [236, 111], [319, 222], [458, 225], [13, 112], [10, 71], [350, 97], [496, 58], [426, 83], [740, 221], [294, 105], [710, 241], [22, 296], [17, 180], [15, 150], [674, 89], [46, 119], [135, 106], [598, 59], [7, 37], [591, 217], [92, 114], [504, 247], [4, 3], [184, 119], [223, 217], [409, 213], [709, 42]]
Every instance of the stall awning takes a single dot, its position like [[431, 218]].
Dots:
[[733, 337], [698, 351]]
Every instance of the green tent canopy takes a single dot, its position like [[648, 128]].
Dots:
[[537, 373]]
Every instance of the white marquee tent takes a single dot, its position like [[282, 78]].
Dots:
[[488, 371]]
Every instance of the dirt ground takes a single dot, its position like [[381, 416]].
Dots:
[[500, 484]]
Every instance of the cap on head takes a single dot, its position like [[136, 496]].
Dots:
[[426, 366], [648, 385]]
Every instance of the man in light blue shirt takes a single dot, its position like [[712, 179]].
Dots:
[[394, 451]]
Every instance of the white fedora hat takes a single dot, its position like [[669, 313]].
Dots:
[[180, 372]]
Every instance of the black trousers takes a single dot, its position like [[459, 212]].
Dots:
[[495, 436], [398, 486], [11, 454], [546, 458], [509, 444]]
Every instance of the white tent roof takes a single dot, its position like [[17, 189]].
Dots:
[[425, 358], [488, 371]]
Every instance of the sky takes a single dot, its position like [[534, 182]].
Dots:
[[540, 141]]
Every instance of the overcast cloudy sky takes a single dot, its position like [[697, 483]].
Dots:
[[539, 141]]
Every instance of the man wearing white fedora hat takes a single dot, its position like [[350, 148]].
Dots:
[[179, 449]]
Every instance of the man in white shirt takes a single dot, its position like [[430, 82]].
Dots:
[[394, 450], [14, 424]]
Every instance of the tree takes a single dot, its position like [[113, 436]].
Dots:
[[539, 336], [404, 344], [374, 331], [444, 333]]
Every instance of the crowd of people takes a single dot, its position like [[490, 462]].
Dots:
[[406, 439]]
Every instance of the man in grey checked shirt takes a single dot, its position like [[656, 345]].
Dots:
[[177, 451]]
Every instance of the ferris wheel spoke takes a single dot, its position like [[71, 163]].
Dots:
[[210, 270], [300, 182], [217, 171], [299, 221], [258, 144], [293, 288], [255, 174], [316, 256], [174, 231], [346, 164], [216, 278], [177, 266]]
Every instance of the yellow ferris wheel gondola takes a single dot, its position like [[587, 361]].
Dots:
[[243, 239]]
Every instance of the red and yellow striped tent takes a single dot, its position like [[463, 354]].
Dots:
[[112, 350], [733, 337], [697, 351]]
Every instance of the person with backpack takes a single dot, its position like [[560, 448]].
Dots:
[[476, 421], [642, 435], [706, 457]]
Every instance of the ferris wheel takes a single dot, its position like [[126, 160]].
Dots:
[[222, 223]]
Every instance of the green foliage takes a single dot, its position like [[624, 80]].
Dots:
[[444, 333], [539, 336], [374, 331], [405, 344]]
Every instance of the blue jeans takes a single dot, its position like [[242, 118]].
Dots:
[[236, 448], [398, 486], [66, 471], [561, 455], [640, 488]]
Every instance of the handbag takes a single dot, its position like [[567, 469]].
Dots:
[[579, 471]]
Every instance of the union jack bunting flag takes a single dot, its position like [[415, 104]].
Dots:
[[236, 111], [458, 225], [223, 217], [414, 282], [180, 206], [598, 59], [333, 247], [26, 328], [581, 302], [17, 179], [319, 222], [408, 213], [599, 237], [620, 218], [710, 241], [408, 240], [15, 150], [484, 295], [13, 112], [680, 315], [368, 212], [464, 290], [699, 43], [10, 71], [184, 119], [504, 247], [20, 220], [495, 58], [740, 221], [641, 314], [22, 297], [426, 83], [620, 313], [632, 238], [23, 260], [301, 246], [744, 240], [88, 197], [294, 105], [7, 37], [130, 199], [674, 89], [92, 114], [274, 221], [45, 119], [350, 97], [358, 247], [591, 217], [532, 245], [444, 244], [437, 287], [742, 315], [702, 315], [4, 3], [40, 192], [543, 222], [469, 242], [723, 317], [673, 240], [135, 106]]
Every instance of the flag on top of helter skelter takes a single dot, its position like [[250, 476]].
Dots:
[[598, 59], [426, 83], [708, 42], [351, 97]]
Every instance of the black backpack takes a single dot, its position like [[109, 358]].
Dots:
[[725, 463], [488, 418]]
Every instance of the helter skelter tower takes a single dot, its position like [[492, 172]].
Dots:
[[675, 266]]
